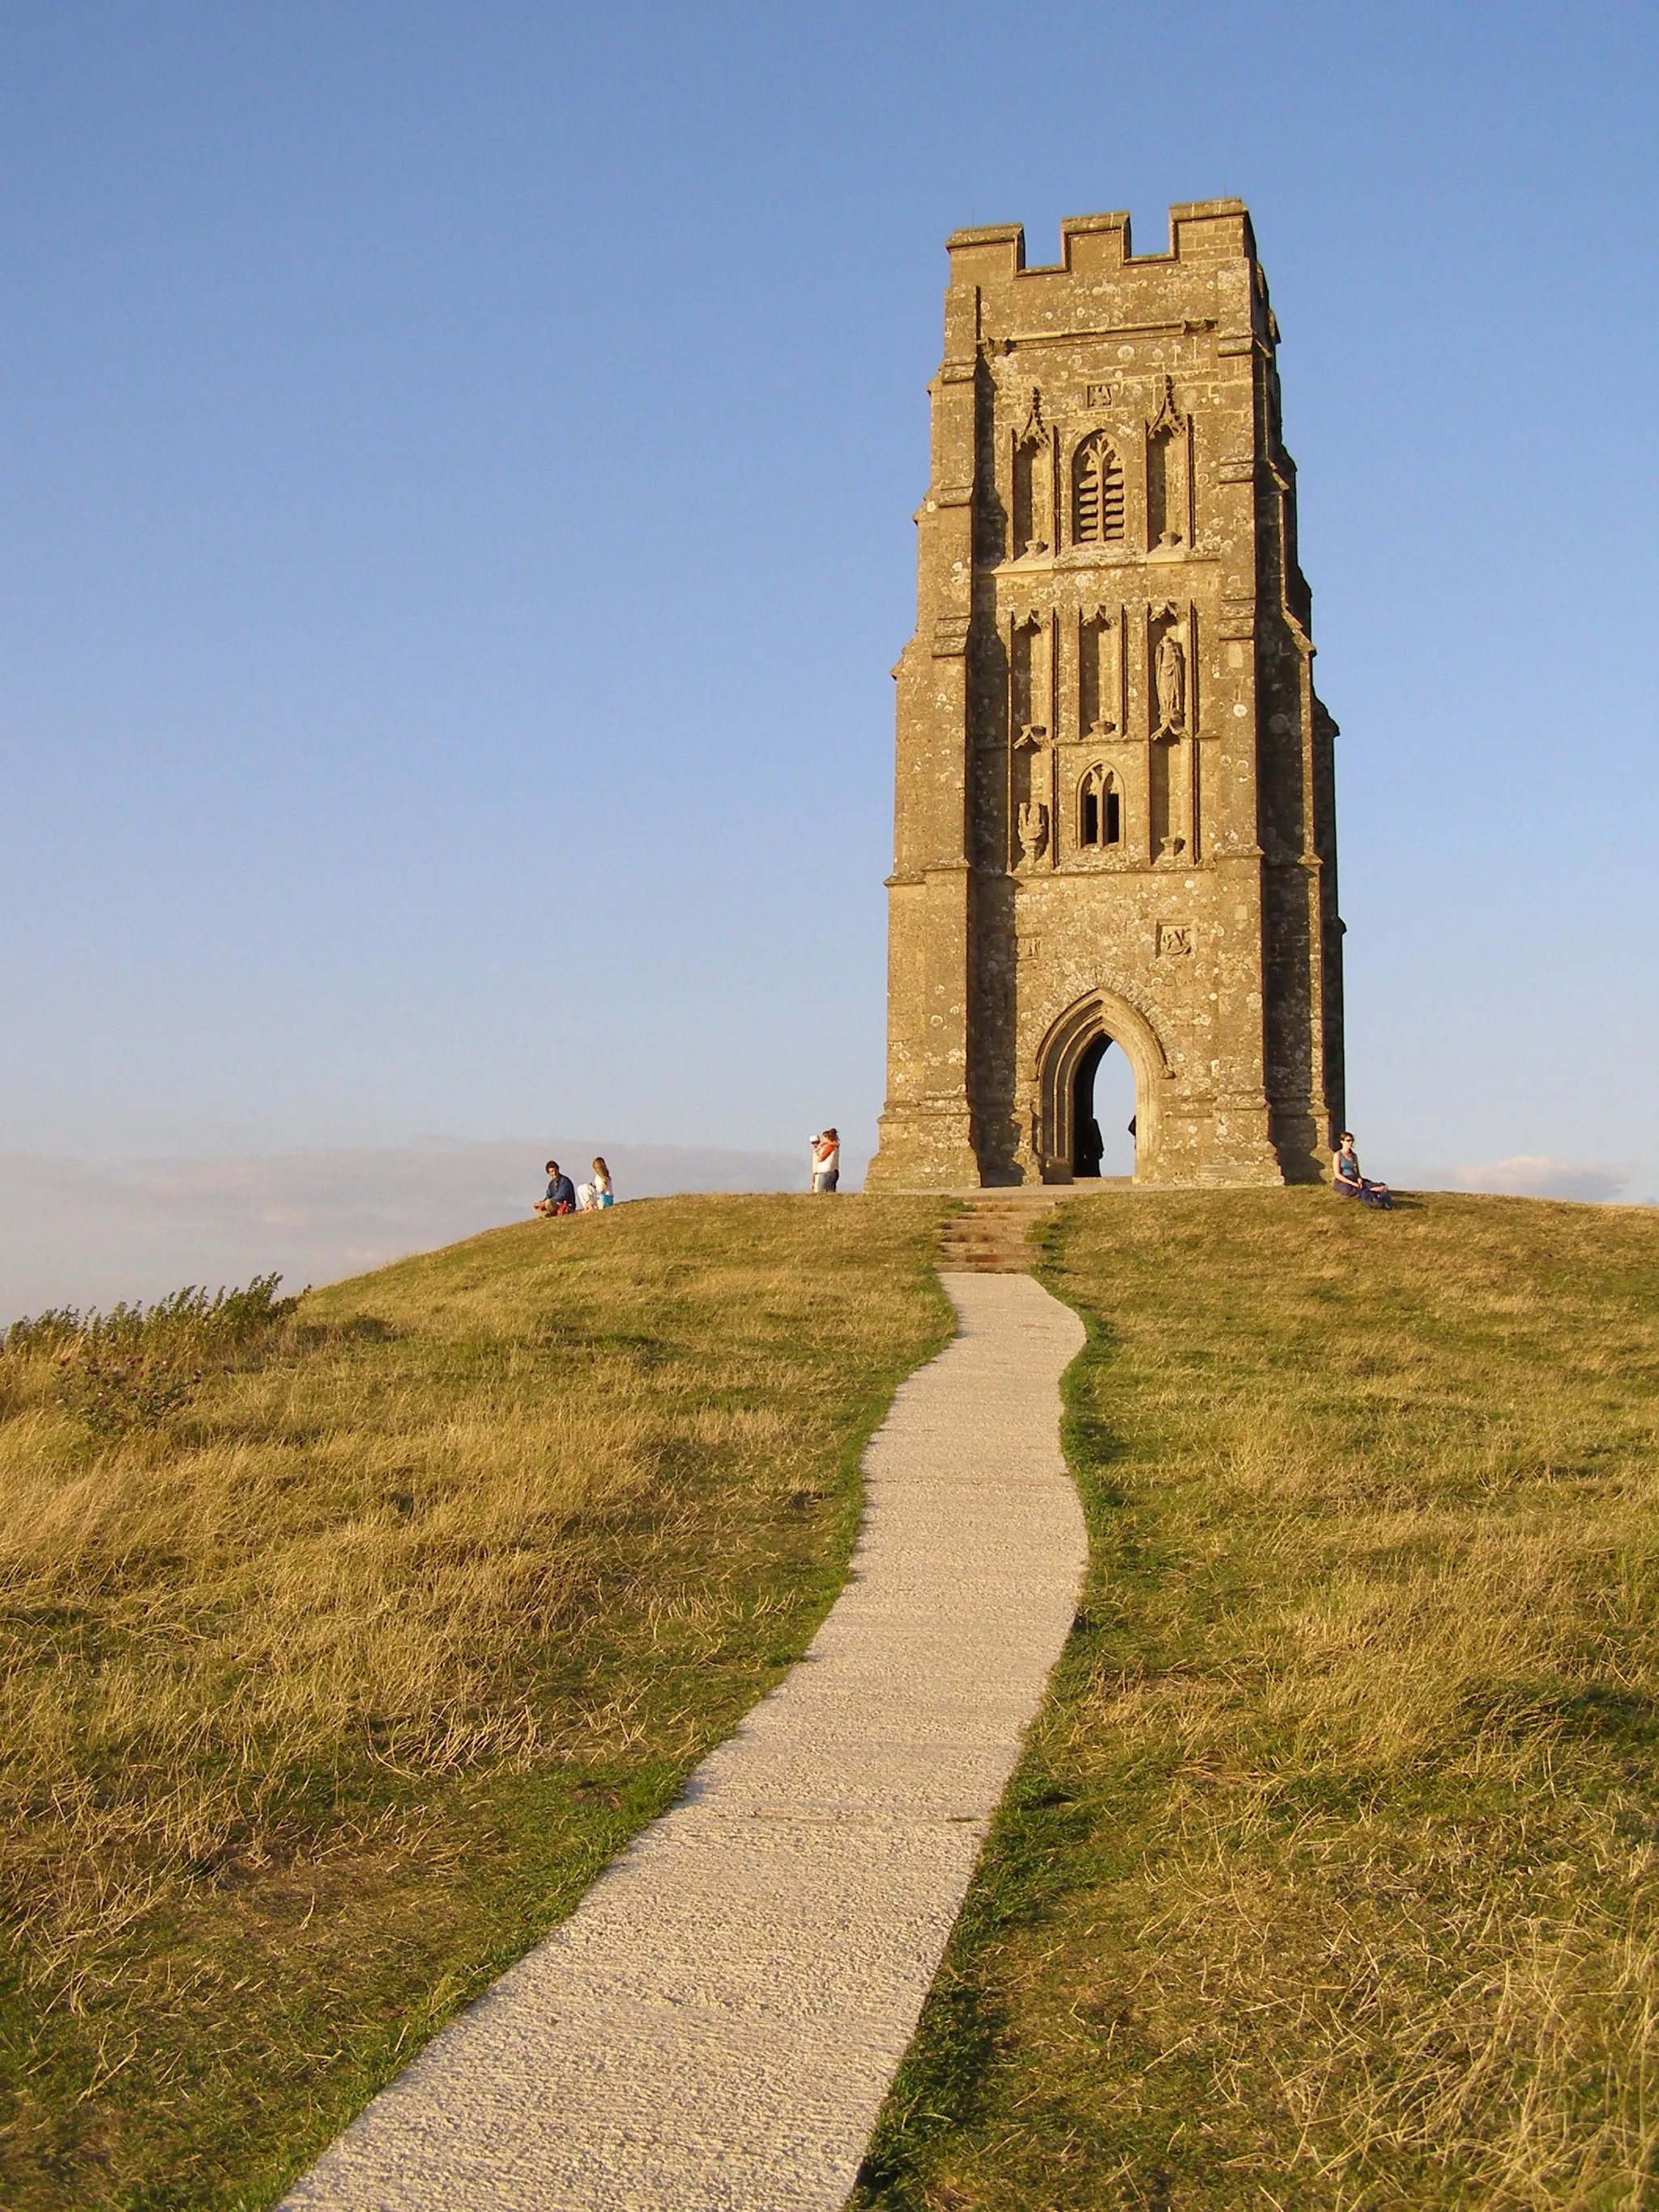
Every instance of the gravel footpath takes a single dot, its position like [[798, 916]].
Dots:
[[715, 2026]]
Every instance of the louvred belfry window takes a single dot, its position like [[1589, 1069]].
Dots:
[[1096, 494]]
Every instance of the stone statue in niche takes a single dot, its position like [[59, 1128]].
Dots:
[[1033, 831], [1169, 675]]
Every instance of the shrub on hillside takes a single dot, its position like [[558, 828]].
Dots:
[[135, 1366]]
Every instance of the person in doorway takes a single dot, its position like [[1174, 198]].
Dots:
[[826, 1161], [561, 1194], [1347, 1178], [1090, 1148]]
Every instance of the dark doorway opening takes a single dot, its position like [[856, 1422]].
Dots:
[[1087, 1143], [1102, 1111]]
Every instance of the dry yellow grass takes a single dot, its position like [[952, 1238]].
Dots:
[[324, 1696], [1332, 1880]]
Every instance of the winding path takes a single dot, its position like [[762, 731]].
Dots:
[[715, 2026]]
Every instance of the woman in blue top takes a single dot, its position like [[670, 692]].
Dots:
[[1346, 1175]]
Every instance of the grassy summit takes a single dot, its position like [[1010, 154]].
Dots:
[[345, 1646], [1331, 1877], [333, 1676]]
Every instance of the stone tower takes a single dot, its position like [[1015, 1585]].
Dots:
[[1115, 819]]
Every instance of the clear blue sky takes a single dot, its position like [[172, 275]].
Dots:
[[458, 470]]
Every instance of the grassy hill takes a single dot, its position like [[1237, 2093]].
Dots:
[[344, 1645], [1331, 1877]]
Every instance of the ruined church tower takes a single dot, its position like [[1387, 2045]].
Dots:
[[1115, 819]]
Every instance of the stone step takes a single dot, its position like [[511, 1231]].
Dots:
[[991, 1234]]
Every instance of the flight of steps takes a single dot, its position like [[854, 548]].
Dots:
[[990, 1237]]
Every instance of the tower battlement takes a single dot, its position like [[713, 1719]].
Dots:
[[1115, 821], [994, 253]]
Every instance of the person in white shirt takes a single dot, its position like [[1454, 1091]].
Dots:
[[826, 1161], [593, 1197]]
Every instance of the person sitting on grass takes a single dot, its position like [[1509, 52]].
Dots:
[[1347, 1178], [561, 1194], [593, 1197]]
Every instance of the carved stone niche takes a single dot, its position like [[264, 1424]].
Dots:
[[1170, 674], [1033, 503], [1172, 763], [1029, 673], [1100, 671], [1029, 685], [1169, 476], [1175, 940]]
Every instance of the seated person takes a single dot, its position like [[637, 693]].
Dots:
[[593, 1197], [561, 1194], [1347, 1178]]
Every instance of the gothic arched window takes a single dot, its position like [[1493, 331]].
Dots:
[[1099, 810], [1096, 494]]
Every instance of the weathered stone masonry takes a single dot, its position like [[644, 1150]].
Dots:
[[1115, 816]]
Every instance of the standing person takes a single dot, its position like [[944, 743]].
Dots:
[[826, 1161], [561, 1194], [1090, 1148]]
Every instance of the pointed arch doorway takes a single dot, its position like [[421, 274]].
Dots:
[[1075, 1053]]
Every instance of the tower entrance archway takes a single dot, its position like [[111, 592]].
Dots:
[[1071, 1060]]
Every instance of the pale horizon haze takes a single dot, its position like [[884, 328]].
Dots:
[[458, 464]]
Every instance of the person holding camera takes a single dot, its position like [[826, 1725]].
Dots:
[[826, 1161]]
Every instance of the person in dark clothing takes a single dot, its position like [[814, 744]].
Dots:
[[561, 1194], [1090, 1148]]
